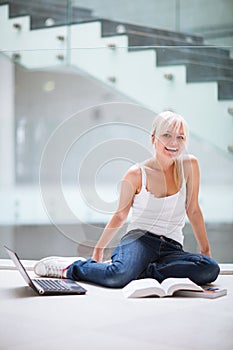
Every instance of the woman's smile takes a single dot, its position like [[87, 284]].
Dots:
[[171, 149]]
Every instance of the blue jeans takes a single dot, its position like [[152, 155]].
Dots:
[[141, 254]]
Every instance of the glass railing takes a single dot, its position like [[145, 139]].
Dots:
[[77, 109], [180, 16]]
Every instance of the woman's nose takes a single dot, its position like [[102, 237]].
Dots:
[[173, 141]]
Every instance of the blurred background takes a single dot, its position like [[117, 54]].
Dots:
[[80, 83]]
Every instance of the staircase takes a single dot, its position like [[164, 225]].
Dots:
[[156, 68]]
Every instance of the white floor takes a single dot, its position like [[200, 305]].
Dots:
[[105, 319]]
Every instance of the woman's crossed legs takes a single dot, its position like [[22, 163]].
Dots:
[[142, 254]]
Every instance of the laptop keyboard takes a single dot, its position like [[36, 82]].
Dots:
[[53, 285]]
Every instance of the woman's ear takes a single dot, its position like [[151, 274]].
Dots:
[[153, 139]]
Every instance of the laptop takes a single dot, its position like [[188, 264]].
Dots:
[[46, 286]]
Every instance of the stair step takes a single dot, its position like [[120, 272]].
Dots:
[[201, 73], [225, 90], [137, 41], [41, 10], [174, 56], [110, 28]]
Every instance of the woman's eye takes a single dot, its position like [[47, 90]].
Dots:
[[166, 135], [180, 137]]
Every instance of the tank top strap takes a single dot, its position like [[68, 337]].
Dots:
[[182, 169], [143, 175], [183, 185]]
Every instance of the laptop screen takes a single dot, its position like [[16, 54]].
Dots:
[[19, 266]]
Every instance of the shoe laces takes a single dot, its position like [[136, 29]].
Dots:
[[54, 270]]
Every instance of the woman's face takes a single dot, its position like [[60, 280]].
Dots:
[[171, 142]]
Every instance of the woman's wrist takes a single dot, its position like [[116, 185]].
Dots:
[[98, 248], [206, 252], [98, 254]]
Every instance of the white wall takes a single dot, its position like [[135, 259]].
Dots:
[[7, 129]]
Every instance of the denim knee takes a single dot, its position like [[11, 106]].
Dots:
[[118, 279], [208, 272]]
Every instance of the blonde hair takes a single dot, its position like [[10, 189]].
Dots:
[[163, 122]]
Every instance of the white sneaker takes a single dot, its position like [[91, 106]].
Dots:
[[54, 266]]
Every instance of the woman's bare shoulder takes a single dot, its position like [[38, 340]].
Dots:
[[134, 176], [190, 163], [133, 172], [189, 159]]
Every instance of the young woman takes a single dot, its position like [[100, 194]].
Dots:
[[160, 192]]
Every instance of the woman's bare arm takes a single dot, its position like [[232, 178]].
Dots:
[[193, 210], [129, 186]]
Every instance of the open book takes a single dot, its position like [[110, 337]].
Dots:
[[147, 287]]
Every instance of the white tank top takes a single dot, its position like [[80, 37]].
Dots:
[[161, 216]]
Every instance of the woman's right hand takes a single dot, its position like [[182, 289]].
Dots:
[[98, 254]]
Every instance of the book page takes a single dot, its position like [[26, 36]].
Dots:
[[170, 285], [142, 288]]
